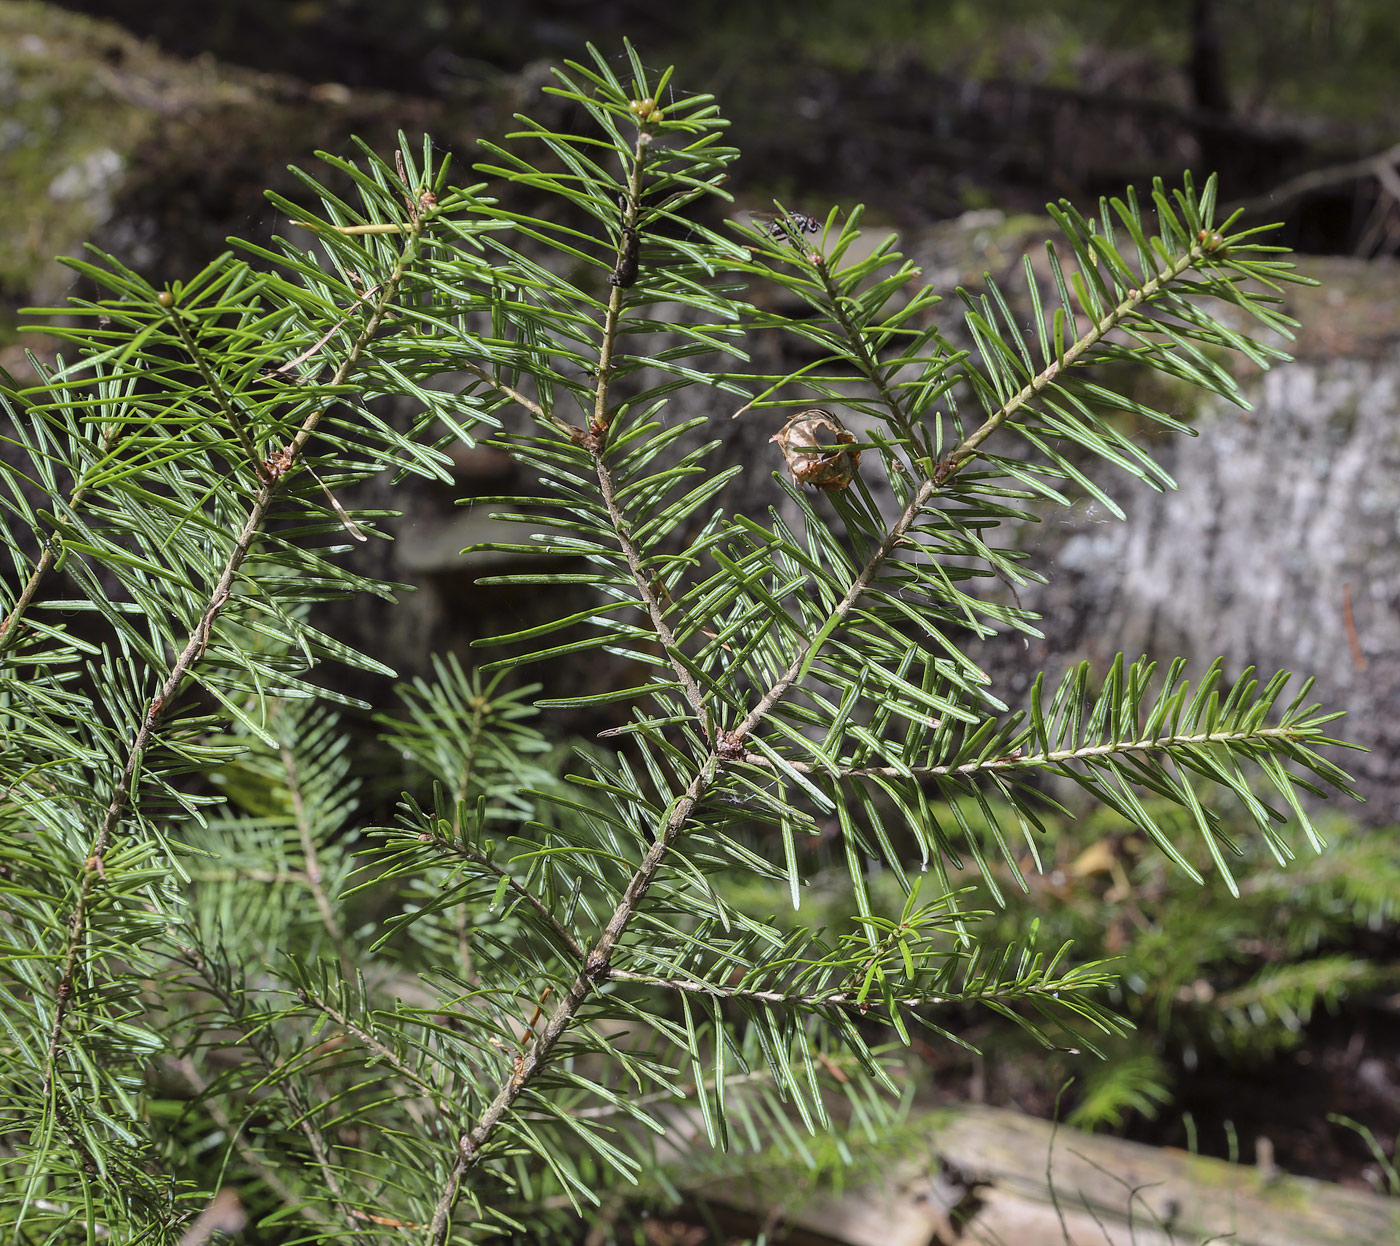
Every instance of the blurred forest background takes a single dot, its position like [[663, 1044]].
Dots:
[[154, 130]]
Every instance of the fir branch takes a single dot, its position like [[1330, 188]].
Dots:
[[1051, 759], [808, 650], [595, 441], [815, 1001], [372, 1044], [234, 419], [470, 1146], [467, 853], [253, 1036], [11, 623], [969, 446], [267, 1173], [94, 868], [624, 274], [730, 746], [965, 451], [310, 854], [647, 589], [508, 391], [861, 352], [825, 642]]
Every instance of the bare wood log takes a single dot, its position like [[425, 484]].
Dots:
[[1006, 1219], [994, 1176], [1376, 165], [1189, 1197]]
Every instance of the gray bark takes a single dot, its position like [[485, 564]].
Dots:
[[1279, 549]]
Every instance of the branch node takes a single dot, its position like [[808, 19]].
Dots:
[[730, 746]]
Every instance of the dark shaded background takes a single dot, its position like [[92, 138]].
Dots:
[[928, 107]]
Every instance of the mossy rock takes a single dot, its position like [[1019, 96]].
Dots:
[[107, 140]]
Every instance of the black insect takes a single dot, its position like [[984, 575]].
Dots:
[[625, 274], [792, 224]]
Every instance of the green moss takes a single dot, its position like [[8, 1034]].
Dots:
[[64, 137], [98, 129]]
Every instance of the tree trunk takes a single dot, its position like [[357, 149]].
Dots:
[[1280, 548]]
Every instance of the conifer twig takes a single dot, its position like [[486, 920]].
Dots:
[[966, 450], [313, 865], [1040, 761], [844, 999], [594, 969], [564, 934], [145, 736], [726, 746]]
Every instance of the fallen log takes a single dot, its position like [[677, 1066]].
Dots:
[[989, 1175]]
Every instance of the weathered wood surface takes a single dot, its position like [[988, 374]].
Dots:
[[989, 1175]]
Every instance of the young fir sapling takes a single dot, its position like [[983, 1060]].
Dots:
[[474, 1020]]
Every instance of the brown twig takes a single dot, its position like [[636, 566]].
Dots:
[[529, 1036], [223, 1215], [1358, 657], [10, 625], [311, 351]]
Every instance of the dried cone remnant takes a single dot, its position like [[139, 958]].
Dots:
[[814, 445]]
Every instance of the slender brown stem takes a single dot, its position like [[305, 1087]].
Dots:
[[842, 608], [501, 387], [596, 442], [627, 246], [969, 446], [290, 367], [868, 363], [647, 590], [509, 391], [1276, 199]]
